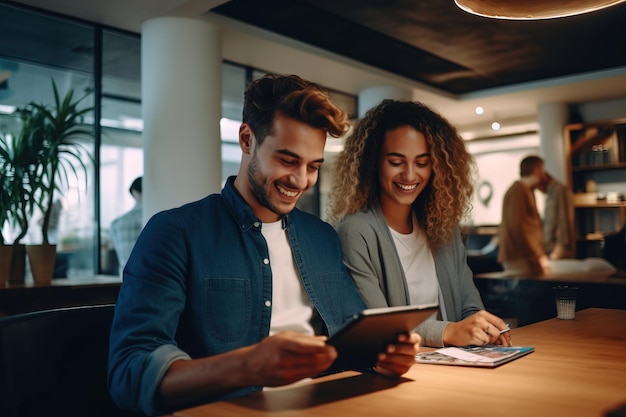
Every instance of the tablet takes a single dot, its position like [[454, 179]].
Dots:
[[368, 333]]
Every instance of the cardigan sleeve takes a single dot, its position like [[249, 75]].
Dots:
[[356, 237]]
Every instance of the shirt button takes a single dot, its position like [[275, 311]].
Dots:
[[268, 303], [266, 261], [257, 224]]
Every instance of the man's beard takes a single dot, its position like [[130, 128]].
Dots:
[[256, 179]]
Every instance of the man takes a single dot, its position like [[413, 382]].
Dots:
[[558, 219], [236, 292], [521, 236], [126, 228]]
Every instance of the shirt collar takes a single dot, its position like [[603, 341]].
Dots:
[[241, 211]]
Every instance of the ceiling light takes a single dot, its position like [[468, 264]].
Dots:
[[495, 126], [532, 9], [4, 109], [479, 110]]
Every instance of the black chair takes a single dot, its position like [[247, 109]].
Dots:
[[614, 249], [482, 252], [54, 362]]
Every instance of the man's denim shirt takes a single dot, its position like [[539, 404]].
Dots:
[[199, 283]]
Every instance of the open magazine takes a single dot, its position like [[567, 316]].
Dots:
[[483, 356]]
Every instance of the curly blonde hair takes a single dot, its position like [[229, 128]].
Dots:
[[444, 202]]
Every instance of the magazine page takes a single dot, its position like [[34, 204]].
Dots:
[[473, 355]]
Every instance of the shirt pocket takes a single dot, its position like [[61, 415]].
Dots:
[[227, 303], [340, 295]]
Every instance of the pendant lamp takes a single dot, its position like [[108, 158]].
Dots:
[[532, 9]]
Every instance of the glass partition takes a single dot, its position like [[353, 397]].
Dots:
[[121, 146]]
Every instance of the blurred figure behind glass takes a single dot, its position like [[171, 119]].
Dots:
[[558, 219], [126, 228]]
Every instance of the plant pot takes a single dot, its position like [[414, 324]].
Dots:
[[41, 258], [6, 252], [17, 269]]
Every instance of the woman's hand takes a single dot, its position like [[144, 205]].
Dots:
[[478, 329]]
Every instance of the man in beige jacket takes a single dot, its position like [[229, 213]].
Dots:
[[521, 249]]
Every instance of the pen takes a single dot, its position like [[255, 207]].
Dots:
[[508, 328]]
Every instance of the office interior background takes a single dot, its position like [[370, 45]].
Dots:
[[102, 60]]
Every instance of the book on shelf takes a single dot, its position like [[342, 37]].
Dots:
[[488, 356]]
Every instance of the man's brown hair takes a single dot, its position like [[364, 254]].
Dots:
[[294, 97], [529, 164]]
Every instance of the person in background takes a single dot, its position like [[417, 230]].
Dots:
[[240, 290], [521, 250], [126, 228], [401, 185], [558, 219]]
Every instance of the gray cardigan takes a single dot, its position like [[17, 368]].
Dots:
[[371, 257]]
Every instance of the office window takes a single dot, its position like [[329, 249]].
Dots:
[[35, 50], [234, 81], [121, 149]]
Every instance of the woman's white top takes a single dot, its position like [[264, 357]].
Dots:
[[418, 265]]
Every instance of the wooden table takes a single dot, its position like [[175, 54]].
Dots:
[[577, 370], [62, 292]]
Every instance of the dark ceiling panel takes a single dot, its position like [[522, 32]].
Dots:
[[46, 40], [436, 43]]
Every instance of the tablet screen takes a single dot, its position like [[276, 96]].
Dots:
[[360, 341]]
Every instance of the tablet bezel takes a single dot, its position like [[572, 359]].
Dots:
[[359, 341]]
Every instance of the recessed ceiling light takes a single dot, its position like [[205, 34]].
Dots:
[[479, 110], [495, 125]]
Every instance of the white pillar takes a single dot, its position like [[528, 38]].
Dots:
[[372, 96], [181, 81], [552, 118]]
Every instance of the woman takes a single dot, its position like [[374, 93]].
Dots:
[[401, 186]]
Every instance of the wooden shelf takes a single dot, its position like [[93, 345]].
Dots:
[[599, 167], [592, 216], [600, 204]]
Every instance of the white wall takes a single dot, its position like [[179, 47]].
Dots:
[[498, 163]]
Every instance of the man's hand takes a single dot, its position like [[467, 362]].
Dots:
[[545, 264], [288, 357], [277, 360], [398, 358], [558, 252], [541, 265]]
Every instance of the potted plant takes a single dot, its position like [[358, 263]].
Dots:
[[20, 179], [58, 154], [6, 251]]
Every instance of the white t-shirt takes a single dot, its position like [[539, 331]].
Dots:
[[291, 307], [418, 265]]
